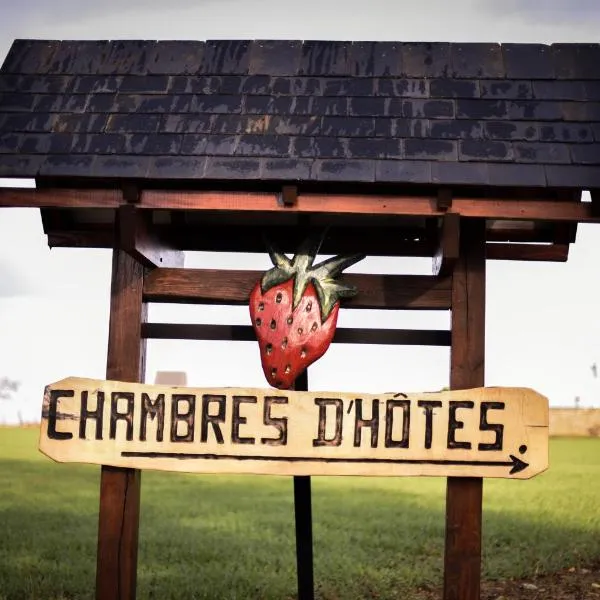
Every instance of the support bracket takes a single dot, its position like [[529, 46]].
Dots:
[[448, 245]]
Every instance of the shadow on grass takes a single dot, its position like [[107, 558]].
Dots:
[[226, 538]]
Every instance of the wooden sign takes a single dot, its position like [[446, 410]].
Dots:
[[484, 432]]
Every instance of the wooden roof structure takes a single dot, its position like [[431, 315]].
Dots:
[[459, 152]]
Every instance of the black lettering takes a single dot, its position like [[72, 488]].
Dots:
[[280, 423], [496, 427], [454, 424], [53, 414], [429, 405], [86, 413], [155, 409], [116, 416], [323, 403], [187, 417], [372, 423], [237, 419], [390, 405], [214, 420]]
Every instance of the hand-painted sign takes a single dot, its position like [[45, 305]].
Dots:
[[483, 432]]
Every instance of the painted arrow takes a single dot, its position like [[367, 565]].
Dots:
[[515, 463]]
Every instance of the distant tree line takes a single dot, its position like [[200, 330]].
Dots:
[[8, 387]]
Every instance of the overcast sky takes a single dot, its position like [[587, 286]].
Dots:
[[542, 325]]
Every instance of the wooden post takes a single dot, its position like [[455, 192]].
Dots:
[[303, 522], [120, 488], [462, 561]]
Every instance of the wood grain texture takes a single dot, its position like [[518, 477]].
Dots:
[[492, 432], [462, 557], [211, 286], [528, 252], [448, 248], [60, 198], [118, 522]]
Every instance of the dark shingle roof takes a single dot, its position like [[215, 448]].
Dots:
[[440, 113]]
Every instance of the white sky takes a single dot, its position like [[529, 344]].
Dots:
[[542, 324]]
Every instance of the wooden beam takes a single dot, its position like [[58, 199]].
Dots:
[[118, 522], [447, 253], [528, 252], [60, 198], [210, 286], [343, 335], [462, 560], [140, 239]]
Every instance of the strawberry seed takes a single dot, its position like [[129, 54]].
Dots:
[[261, 306], [309, 306], [284, 342], [269, 348], [273, 324], [288, 369], [314, 326], [300, 330], [303, 353], [279, 297], [258, 322], [290, 320], [273, 371]]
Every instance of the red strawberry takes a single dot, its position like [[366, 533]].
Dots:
[[294, 310]]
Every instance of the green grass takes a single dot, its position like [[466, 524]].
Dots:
[[226, 538]]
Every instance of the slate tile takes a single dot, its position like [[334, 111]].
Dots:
[[256, 84], [187, 123], [485, 150], [367, 107], [285, 169], [580, 111], [541, 153], [430, 109], [348, 126], [361, 62], [516, 175], [71, 103], [235, 124], [30, 121], [174, 57], [66, 165], [102, 103], [263, 145], [307, 86], [81, 57], [80, 123], [477, 60], [95, 84], [481, 109], [534, 109], [229, 167], [430, 149], [453, 88], [132, 123], [158, 144], [596, 131], [9, 142], [584, 154], [323, 58], [510, 130], [327, 106], [127, 57], [455, 173], [387, 59], [528, 61], [402, 88], [18, 102], [40, 84], [229, 84], [401, 128], [559, 90], [296, 125], [226, 57], [576, 61], [303, 147], [455, 130], [176, 167], [99, 143], [374, 148], [304, 105], [120, 166], [346, 86], [426, 59], [330, 147], [145, 84], [30, 56], [268, 105], [351, 171], [275, 57], [591, 90], [194, 84], [572, 176], [507, 89], [47, 143], [403, 171], [281, 86], [13, 83], [213, 145], [20, 165], [566, 132], [217, 103]]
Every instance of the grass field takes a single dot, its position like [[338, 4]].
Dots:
[[226, 538]]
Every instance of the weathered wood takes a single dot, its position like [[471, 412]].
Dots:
[[140, 239], [288, 195], [120, 487], [60, 198], [343, 335], [462, 560], [211, 286], [491, 432], [447, 253], [528, 252]]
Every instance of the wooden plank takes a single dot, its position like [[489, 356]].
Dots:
[[118, 522], [60, 198], [212, 286], [447, 253], [485, 432], [140, 239], [462, 558], [343, 335], [528, 252]]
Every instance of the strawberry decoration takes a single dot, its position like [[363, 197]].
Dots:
[[294, 310]]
